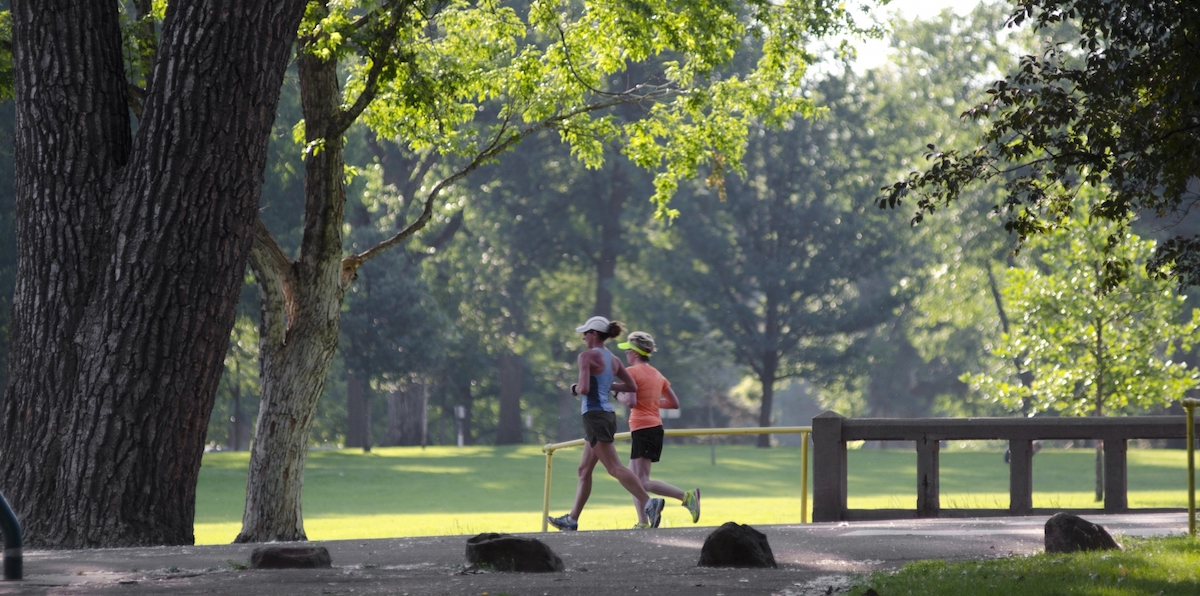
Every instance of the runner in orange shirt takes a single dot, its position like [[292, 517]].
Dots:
[[653, 392]]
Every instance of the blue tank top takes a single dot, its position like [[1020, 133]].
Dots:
[[598, 386]]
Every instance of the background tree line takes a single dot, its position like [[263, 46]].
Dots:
[[785, 275], [475, 312]]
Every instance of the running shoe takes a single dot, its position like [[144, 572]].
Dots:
[[641, 526], [654, 508], [564, 523], [691, 500]]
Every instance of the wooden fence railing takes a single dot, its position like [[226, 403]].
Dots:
[[831, 431]]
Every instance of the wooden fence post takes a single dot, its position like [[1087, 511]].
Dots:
[[1020, 477], [1116, 485], [829, 467], [928, 482]]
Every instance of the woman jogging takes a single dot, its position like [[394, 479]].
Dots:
[[597, 368], [653, 393]]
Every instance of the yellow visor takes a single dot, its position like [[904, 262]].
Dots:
[[629, 346]]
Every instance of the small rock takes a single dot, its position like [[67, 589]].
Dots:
[[736, 545], [505, 552], [290, 556], [1067, 533]]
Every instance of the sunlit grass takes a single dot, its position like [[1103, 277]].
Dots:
[[1147, 567], [410, 491]]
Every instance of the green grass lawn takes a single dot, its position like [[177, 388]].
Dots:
[[409, 491], [1147, 567]]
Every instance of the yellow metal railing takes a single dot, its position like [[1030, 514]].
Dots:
[[803, 431], [1190, 404]]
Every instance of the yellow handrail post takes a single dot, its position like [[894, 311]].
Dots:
[[1190, 406], [804, 477], [546, 495]]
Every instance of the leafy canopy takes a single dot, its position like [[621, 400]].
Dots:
[[466, 78], [1111, 100], [1090, 350]]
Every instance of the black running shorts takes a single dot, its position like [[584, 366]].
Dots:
[[647, 443], [599, 426]]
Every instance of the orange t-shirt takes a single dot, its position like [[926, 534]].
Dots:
[[651, 385]]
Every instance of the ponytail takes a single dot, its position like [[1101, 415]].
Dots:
[[614, 330]]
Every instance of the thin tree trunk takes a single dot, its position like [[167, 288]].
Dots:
[[610, 239], [770, 367], [767, 379], [235, 418], [358, 411], [130, 259], [568, 417], [301, 314], [1099, 405], [511, 365], [509, 430], [408, 409], [1023, 375], [467, 402]]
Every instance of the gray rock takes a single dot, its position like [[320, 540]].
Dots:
[[290, 556], [505, 552], [1067, 533], [736, 545]]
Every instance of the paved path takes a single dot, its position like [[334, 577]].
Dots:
[[813, 559]]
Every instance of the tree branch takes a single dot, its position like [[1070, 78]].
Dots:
[[276, 281], [496, 147], [379, 62]]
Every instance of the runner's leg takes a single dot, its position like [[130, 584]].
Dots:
[[607, 454], [583, 490]]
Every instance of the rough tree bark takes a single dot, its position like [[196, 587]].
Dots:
[[301, 311], [132, 250]]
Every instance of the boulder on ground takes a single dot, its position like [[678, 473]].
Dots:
[[1068, 533], [736, 545], [505, 552], [290, 556]]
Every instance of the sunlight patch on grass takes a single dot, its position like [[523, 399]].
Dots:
[[432, 469], [409, 491], [763, 511]]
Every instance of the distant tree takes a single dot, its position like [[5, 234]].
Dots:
[[937, 69], [1109, 103], [1091, 351], [792, 266], [233, 414]]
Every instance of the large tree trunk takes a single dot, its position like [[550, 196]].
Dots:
[[131, 256], [301, 312]]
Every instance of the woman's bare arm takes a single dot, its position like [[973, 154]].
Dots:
[[668, 400]]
